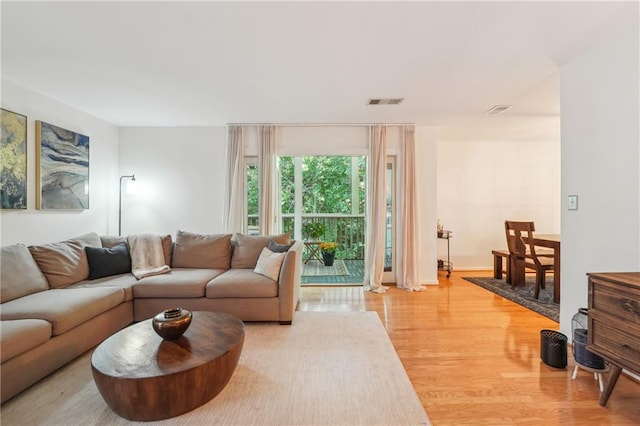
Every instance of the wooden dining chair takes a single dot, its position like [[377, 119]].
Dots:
[[523, 255]]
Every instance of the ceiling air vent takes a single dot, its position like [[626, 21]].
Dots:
[[498, 109], [385, 101]]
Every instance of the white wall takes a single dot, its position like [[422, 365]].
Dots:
[[482, 183], [181, 175], [600, 163], [31, 226], [322, 140], [426, 185]]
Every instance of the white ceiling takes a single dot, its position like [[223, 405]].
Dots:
[[213, 63]]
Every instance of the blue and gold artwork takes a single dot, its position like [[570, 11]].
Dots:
[[63, 169], [13, 160]]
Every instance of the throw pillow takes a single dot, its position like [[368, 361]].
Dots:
[[269, 264], [248, 249], [104, 262], [202, 251], [278, 248]]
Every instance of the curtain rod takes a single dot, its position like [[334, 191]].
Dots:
[[321, 124]]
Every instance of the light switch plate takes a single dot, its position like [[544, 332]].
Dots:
[[573, 202]]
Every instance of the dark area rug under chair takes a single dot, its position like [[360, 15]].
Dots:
[[523, 295]]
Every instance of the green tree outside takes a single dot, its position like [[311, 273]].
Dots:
[[326, 188]]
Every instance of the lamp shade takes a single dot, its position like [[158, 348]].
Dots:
[[132, 187]]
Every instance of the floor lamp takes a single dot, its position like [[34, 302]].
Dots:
[[133, 179]]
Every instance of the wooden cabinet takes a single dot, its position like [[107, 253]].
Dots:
[[614, 323]]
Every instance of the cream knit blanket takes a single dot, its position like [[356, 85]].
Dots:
[[147, 258]]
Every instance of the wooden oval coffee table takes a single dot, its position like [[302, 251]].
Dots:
[[143, 377]]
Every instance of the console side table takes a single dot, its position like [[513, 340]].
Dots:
[[614, 323]]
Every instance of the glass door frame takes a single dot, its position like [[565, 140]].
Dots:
[[389, 275]]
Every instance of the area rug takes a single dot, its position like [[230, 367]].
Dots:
[[315, 268], [523, 295], [328, 368]]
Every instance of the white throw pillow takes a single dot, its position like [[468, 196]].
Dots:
[[269, 264]]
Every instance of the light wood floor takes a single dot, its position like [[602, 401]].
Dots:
[[474, 357]]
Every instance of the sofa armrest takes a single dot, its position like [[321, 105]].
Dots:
[[289, 283]]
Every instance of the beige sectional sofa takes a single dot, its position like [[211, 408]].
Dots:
[[51, 312]]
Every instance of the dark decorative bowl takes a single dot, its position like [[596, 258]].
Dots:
[[172, 323]]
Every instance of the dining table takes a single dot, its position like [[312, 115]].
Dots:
[[551, 241]]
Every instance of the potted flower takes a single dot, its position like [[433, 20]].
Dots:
[[328, 250], [313, 230]]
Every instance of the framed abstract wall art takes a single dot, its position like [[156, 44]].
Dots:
[[13, 160], [62, 169]]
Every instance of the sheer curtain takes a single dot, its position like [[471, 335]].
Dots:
[[234, 214], [376, 210], [270, 222], [407, 272]]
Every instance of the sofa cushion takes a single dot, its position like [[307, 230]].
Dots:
[[19, 336], [104, 262], [241, 283], [248, 248], [19, 273], [269, 264], [167, 248], [202, 251], [123, 281], [183, 283], [65, 262], [63, 308], [109, 241]]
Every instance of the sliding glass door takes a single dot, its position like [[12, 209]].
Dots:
[[390, 223], [330, 191]]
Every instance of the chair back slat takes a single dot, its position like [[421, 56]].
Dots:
[[514, 231], [520, 258]]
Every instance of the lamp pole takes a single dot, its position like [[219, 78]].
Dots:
[[133, 178]]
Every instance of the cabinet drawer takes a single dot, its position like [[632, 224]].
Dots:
[[619, 344], [622, 302]]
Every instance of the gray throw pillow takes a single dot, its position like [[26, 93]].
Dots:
[[278, 248]]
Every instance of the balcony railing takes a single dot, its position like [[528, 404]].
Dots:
[[346, 230]]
